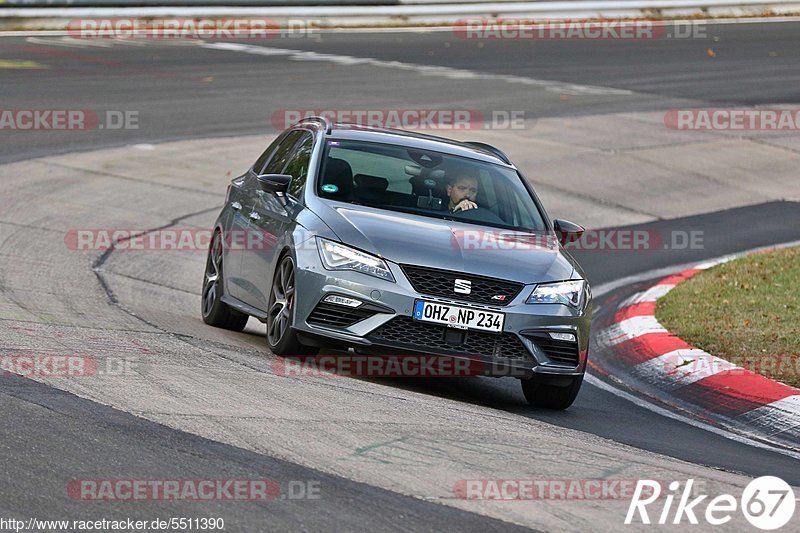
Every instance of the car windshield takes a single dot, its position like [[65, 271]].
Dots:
[[427, 183]]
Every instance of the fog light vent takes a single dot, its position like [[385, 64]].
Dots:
[[565, 337], [342, 300]]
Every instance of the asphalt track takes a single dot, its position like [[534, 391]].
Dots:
[[188, 91], [50, 436]]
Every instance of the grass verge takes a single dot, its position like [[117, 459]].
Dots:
[[746, 311]]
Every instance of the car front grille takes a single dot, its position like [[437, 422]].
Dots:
[[560, 352], [407, 333], [435, 282], [338, 316]]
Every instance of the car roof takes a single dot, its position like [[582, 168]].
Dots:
[[359, 132]]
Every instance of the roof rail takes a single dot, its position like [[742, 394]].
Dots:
[[327, 123], [496, 151]]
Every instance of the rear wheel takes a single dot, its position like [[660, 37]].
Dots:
[[215, 311], [552, 393], [281, 337]]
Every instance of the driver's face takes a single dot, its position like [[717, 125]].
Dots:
[[463, 188]]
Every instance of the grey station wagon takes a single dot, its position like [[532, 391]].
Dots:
[[383, 241]]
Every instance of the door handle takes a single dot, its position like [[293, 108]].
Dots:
[[254, 216], [236, 205]]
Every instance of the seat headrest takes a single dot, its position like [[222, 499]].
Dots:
[[338, 172], [374, 183]]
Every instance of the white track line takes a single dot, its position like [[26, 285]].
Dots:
[[423, 70], [67, 42]]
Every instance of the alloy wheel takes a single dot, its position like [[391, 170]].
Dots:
[[213, 275], [280, 302]]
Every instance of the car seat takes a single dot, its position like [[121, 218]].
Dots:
[[338, 172]]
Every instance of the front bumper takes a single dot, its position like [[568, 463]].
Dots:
[[523, 348]]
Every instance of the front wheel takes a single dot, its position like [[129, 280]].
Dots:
[[553, 393], [281, 337]]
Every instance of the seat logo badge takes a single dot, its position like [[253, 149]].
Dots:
[[463, 286]]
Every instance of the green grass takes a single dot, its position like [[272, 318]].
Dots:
[[746, 311]]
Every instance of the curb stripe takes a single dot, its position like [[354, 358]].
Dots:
[[631, 328], [778, 418], [735, 392], [668, 363], [650, 346], [679, 368], [680, 276], [650, 295], [638, 309]]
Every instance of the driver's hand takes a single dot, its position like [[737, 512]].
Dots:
[[465, 205]]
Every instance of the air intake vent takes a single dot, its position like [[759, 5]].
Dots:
[[407, 333], [338, 316], [559, 352]]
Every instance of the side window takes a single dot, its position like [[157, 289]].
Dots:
[[487, 182], [525, 218], [261, 161], [282, 153], [297, 165], [507, 203]]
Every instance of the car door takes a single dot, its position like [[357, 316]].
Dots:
[[241, 199], [268, 219]]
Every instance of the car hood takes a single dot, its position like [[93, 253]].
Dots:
[[450, 245]]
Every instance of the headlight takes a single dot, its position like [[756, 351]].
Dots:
[[571, 293], [337, 256]]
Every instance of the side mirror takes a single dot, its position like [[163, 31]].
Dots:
[[567, 231], [276, 184]]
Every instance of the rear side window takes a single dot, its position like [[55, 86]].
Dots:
[[283, 153], [258, 166]]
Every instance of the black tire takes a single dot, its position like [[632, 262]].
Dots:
[[281, 337], [215, 312], [553, 393]]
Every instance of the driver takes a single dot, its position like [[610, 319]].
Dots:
[[462, 192]]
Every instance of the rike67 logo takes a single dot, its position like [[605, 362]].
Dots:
[[767, 503]]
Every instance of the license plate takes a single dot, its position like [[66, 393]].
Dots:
[[458, 317]]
